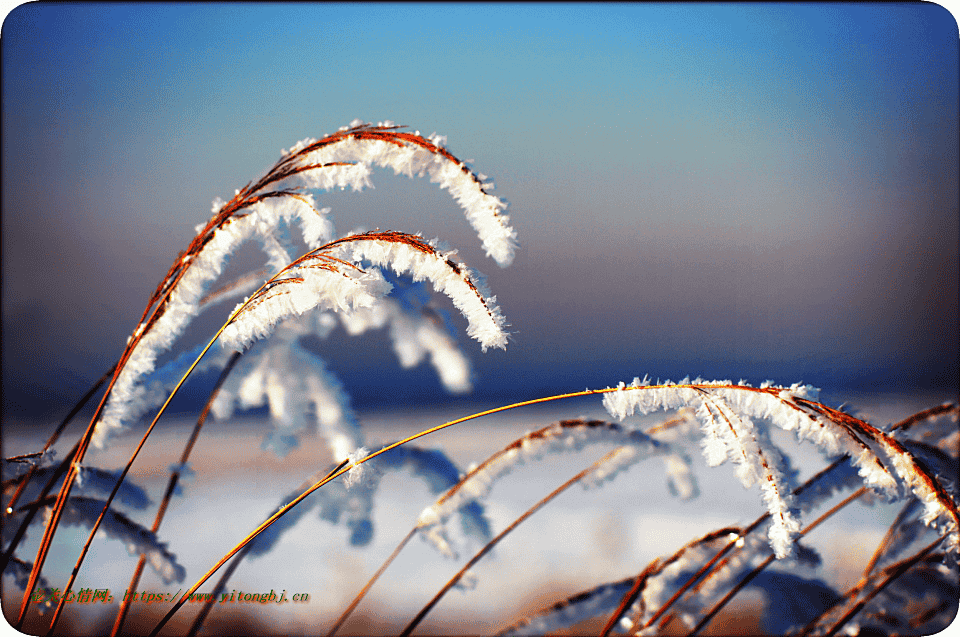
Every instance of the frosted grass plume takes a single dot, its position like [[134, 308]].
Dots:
[[564, 436], [340, 160], [726, 412], [329, 278], [138, 540]]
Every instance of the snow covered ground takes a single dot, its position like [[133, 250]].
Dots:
[[582, 539]]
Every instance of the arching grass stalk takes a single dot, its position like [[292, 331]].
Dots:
[[34, 506], [171, 487], [50, 442], [68, 464], [154, 312], [712, 566], [767, 562], [564, 435], [156, 301], [282, 511], [893, 572], [86, 547], [654, 566], [373, 580], [81, 403], [623, 594], [222, 584], [157, 304], [851, 426], [126, 469], [492, 543]]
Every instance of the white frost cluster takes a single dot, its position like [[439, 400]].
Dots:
[[483, 210], [324, 281], [673, 573], [944, 468], [729, 432], [726, 414], [425, 262], [358, 469], [415, 337], [563, 436], [296, 386], [302, 288], [261, 220], [153, 390], [85, 511]]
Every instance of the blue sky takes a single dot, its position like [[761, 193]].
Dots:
[[733, 191]]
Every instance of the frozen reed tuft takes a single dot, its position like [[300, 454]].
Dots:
[[138, 540], [264, 209]]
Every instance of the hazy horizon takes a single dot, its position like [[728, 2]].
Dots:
[[729, 191]]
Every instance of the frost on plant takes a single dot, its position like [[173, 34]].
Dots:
[[342, 276], [263, 210], [332, 278], [350, 284], [138, 540], [727, 414], [351, 502], [417, 331], [565, 436]]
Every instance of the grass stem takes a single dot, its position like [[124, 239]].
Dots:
[[492, 543], [171, 488]]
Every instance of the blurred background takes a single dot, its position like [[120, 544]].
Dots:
[[731, 191]]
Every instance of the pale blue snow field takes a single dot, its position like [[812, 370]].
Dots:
[[582, 539]]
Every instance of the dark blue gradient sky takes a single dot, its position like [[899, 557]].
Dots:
[[732, 191]]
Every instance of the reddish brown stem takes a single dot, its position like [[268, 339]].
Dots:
[[172, 486]]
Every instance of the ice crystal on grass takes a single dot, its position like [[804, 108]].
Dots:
[[138, 540], [412, 155], [563, 436], [417, 331], [298, 388], [180, 295], [325, 286], [427, 261], [332, 278], [726, 412], [152, 390], [264, 210], [352, 504]]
